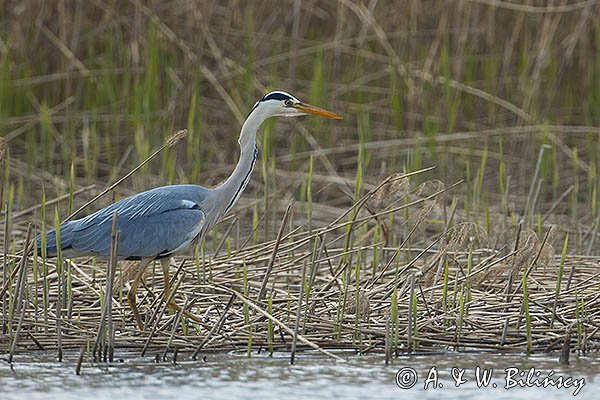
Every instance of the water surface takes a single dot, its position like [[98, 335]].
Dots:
[[234, 376]]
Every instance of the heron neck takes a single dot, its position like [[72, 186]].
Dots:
[[233, 186]]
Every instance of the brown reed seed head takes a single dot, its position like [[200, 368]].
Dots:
[[176, 137], [392, 191]]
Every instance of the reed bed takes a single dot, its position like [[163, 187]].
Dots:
[[312, 290]]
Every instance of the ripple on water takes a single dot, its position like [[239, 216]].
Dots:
[[231, 376]]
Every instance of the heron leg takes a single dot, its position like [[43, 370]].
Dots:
[[134, 287], [165, 263]]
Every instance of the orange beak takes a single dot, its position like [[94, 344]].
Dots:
[[308, 109]]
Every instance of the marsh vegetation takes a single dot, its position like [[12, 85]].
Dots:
[[454, 208]]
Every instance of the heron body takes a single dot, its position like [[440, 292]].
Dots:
[[156, 223], [162, 222]]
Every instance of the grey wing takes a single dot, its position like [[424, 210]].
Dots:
[[155, 223], [155, 235]]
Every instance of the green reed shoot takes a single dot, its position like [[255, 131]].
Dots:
[[535, 186], [309, 199], [455, 292], [394, 316], [46, 287], [249, 346], [6, 273], [35, 293], [445, 306], [357, 298], [461, 315], [69, 287], [343, 300], [59, 259], [267, 166], [360, 164]]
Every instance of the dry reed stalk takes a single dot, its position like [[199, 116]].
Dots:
[[59, 339], [285, 327], [387, 342], [56, 200], [566, 349], [175, 326], [3, 148], [21, 302], [215, 328], [35, 121], [106, 314], [298, 313], [162, 311], [535, 9], [263, 287], [158, 311], [112, 266], [22, 276], [5, 277], [79, 361]]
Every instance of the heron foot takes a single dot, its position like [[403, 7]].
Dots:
[[165, 263], [176, 307], [135, 311]]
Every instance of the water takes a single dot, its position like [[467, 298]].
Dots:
[[233, 376]]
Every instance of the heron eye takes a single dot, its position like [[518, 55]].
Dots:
[[288, 103]]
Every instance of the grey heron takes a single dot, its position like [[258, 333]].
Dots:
[[165, 221]]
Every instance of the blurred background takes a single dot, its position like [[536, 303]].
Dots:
[[503, 95]]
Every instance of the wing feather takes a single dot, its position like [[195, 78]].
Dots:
[[155, 223]]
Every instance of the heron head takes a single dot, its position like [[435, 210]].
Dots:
[[282, 104]]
